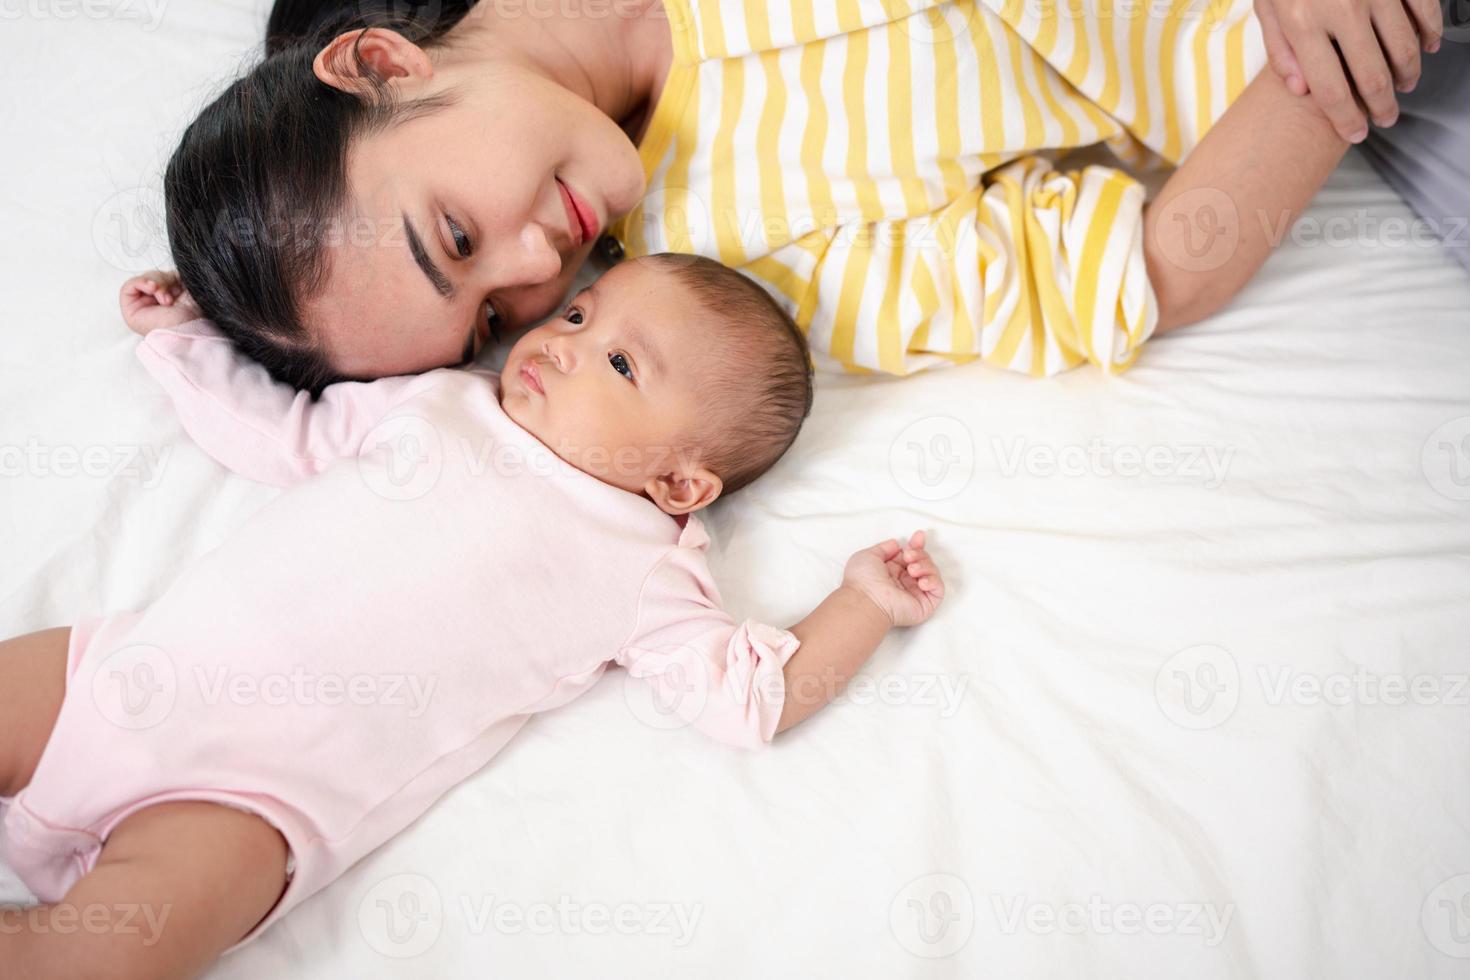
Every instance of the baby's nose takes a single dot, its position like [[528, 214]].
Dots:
[[560, 353]]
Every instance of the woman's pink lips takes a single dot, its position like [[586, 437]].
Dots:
[[574, 221], [532, 378], [586, 218]]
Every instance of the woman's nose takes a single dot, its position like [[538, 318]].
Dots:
[[532, 260]]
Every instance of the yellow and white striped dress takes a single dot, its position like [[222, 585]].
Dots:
[[885, 167]]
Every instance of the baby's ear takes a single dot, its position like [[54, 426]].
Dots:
[[684, 492]]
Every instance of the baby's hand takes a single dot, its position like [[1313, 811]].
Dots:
[[902, 581], [156, 300]]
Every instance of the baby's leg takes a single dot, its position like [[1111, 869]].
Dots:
[[32, 682], [175, 886]]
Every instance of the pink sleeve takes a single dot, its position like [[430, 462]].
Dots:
[[252, 424], [725, 679]]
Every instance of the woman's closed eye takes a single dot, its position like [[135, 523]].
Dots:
[[462, 243]]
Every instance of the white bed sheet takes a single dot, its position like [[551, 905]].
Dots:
[[1018, 789]]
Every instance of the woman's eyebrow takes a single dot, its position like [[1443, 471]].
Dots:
[[432, 272]]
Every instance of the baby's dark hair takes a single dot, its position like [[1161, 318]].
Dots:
[[757, 390]]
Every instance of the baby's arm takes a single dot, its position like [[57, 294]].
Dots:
[[230, 405], [884, 586], [742, 683], [1234, 198]]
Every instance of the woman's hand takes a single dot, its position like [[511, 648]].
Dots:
[[156, 300], [903, 582], [1379, 41]]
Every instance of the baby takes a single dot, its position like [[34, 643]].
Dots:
[[474, 551]]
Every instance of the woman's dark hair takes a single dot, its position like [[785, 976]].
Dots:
[[256, 187]]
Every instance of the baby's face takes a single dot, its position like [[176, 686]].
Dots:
[[609, 385]]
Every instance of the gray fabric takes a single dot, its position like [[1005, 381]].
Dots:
[[1425, 156]]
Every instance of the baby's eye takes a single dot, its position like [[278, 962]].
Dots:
[[620, 364], [492, 317], [573, 316]]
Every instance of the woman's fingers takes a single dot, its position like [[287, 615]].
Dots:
[[1428, 20], [1372, 79], [1329, 86], [1399, 41], [1278, 48]]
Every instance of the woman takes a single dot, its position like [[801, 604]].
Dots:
[[376, 202]]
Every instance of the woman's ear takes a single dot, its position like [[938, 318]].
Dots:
[[386, 54], [684, 493]]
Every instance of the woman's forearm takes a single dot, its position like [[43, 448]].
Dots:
[[1234, 198]]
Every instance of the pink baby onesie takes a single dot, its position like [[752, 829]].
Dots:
[[378, 632]]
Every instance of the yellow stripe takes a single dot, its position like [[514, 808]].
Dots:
[[1045, 42], [921, 281], [890, 330], [683, 30], [1202, 94], [992, 92], [850, 298], [723, 164], [1015, 330], [849, 16], [854, 78], [768, 133], [901, 121], [1107, 31], [711, 29], [1077, 68], [1095, 245], [1030, 111], [1235, 60], [676, 180], [962, 331], [782, 277], [1070, 134], [817, 243], [1168, 40], [946, 97], [814, 137], [803, 22], [1139, 57]]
